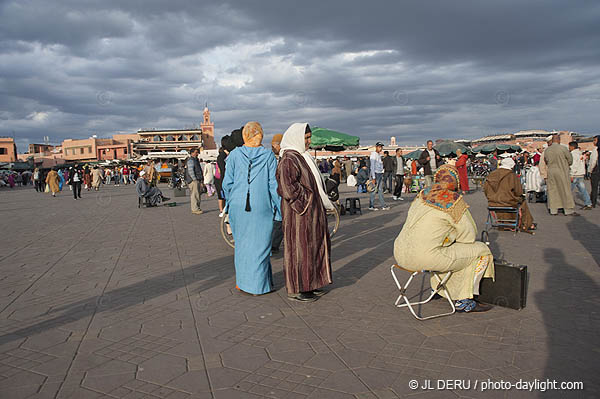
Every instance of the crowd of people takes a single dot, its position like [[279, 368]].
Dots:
[[12, 179], [262, 189], [76, 177], [280, 194]]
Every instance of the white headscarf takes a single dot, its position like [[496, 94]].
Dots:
[[507, 163], [293, 139]]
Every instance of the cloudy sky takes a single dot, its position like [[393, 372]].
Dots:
[[410, 69]]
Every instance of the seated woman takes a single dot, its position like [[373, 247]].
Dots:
[[439, 235], [534, 183], [145, 190], [503, 188], [361, 179]]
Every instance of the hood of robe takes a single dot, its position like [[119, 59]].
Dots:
[[495, 178], [259, 157]]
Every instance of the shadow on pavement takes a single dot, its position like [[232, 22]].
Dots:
[[365, 235], [587, 234], [209, 277], [569, 308], [130, 295]]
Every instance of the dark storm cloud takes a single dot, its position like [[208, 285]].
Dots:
[[414, 70]]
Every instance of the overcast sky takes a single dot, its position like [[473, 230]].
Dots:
[[410, 69]]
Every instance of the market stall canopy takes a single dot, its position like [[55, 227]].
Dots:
[[489, 148], [413, 154], [446, 148], [332, 140]]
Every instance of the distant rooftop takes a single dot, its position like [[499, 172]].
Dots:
[[493, 138], [169, 130]]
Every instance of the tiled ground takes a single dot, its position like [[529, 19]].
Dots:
[[100, 299]]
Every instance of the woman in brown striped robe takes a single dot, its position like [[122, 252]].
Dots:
[[307, 264]]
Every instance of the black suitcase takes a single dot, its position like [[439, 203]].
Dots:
[[510, 288]]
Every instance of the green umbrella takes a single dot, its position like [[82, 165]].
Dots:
[[413, 155], [489, 148], [446, 148], [332, 140], [485, 149]]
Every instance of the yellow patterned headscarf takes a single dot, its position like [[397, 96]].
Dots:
[[253, 134], [443, 194]]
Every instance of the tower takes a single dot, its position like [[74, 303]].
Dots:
[[208, 130], [393, 141]]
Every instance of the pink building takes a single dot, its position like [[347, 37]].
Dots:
[[8, 149]]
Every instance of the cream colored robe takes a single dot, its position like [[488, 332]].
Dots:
[[96, 178], [542, 166], [558, 160], [431, 240]]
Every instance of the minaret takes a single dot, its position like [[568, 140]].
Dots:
[[208, 130], [393, 141]]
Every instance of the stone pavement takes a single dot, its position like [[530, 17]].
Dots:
[[100, 299]]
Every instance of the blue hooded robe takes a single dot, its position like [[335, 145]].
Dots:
[[61, 180], [252, 229]]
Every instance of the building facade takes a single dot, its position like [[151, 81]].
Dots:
[[40, 148], [8, 149], [79, 149], [120, 147], [175, 140]]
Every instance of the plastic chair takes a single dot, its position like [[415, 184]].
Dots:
[[440, 286], [353, 205]]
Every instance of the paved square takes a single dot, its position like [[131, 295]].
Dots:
[[100, 299]]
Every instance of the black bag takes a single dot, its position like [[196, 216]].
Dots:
[[510, 288], [331, 185]]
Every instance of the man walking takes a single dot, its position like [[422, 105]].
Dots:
[[194, 178], [494, 161], [577, 174], [399, 165], [125, 174], [347, 167], [75, 179], [377, 178], [389, 168], [594, 168], [430, 160], [558, 160]]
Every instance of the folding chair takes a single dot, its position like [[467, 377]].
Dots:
[[493, 221], [440, 286], [143, 202]]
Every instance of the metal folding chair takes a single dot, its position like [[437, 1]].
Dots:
[[493, 221], [143, 202], [441, 285]]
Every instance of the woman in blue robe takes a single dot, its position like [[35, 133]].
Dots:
[[253, 204], [61, 180]]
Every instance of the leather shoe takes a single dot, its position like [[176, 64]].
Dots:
[[303, 297]]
